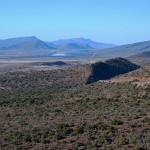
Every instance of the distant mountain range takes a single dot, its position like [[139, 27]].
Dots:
[[75, 47], [84, 41], [34, 46]]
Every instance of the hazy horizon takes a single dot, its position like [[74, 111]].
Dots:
[[119, 22], [86, 38]]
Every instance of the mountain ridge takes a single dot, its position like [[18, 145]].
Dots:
[[85, 41], [73, 48], [32, 46], [129, 49]]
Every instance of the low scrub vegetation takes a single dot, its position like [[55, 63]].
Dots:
[[102, 115]]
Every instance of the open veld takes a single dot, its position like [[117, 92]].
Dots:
[[75, 108]]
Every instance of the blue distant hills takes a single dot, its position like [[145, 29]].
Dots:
[[32, 45], [84, 41], [75, 47]]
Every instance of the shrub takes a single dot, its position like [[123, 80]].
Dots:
[[116, 122]]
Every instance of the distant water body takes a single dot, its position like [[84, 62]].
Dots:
[[73, 53], [59, 54]]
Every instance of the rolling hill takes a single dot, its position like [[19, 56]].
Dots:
[[141, 58], [110, 68], [125, 50]]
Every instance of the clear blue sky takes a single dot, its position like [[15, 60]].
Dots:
[[113, 21]]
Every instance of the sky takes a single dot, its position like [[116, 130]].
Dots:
[[109, 21]]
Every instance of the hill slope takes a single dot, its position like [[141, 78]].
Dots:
[[141, 58], [110, 68], [103, 115], [125, 50], [140, 76]]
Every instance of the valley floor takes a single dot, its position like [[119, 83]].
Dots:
[[36, 64]]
